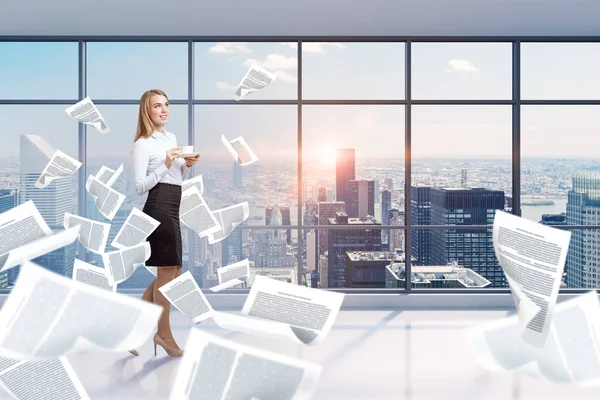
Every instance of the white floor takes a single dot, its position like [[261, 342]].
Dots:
[[369, 355]]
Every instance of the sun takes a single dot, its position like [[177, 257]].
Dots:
[[327, 156]]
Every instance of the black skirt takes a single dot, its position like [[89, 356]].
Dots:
[[162, 204]]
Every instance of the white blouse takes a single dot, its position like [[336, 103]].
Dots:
[[149, 169]]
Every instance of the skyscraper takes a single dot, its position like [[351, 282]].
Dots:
[[583, 208], [325, 211], [360, 198], [52, 202], [8, 201], [344, 173], [340, 241], [237, 175], [285, 219], [470, 248], [386, 206]]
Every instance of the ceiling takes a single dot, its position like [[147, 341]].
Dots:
[[301, 18]]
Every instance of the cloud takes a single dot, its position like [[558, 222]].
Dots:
[[461, 65], [314, 47], [284, 76], [226, 86], [274, 62], [229, 47]]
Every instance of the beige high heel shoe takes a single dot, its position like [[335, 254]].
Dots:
[[134, 352], [173, 352]]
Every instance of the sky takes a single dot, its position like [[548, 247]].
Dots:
[[349, 71]]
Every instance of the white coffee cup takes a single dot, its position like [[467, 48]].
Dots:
[[187, 149]]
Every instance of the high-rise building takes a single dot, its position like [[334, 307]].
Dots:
[[583, 208], [330, 195], [232, 246], [361, 199], [377, 192], [341, 241], [311, 251], [463, 178], [325, 211], [322, 196], [344, 173], [386, 206], [8, 200], [470, 248], [283, 217], [52, 202], [389, 184], [420, 213], [237, 175]]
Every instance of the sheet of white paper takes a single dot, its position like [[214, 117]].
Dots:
[[38, 248], [91, 275], [255, 79], [183, 292], [42, 379], [214, 368], [107, 200], [232, 275], [60, 166], [239, 150], [119, 265], [93, 235], [195, 181], [571, 352], [532, 257], [136, 229], [229, 218], [307, 313], [109, 176], [87, 113], [195, 214], [48, 315], [226, 285]]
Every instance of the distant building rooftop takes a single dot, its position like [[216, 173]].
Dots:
[[451, 276], [376, 256]]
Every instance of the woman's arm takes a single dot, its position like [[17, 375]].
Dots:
[[141, 158]]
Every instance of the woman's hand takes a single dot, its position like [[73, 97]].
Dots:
[[171, 156], [190, 161]]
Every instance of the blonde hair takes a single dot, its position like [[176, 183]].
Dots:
[[145, 126]]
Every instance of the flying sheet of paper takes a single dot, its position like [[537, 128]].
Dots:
[[570, 356], [135, 230], [87, 113], [229, 218], [195, 214], [255, 79], [42, 379], [92, 234], [48, 316], [183, 292], [107, 200], [109, 176], [121, 264], [532, 257], [216, 368], [60, 166], [195, 181], [26, 235], [296, 312], [239, 150], [91, 275], [232, 275]]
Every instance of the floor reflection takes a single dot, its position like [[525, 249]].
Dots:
[[374, 355]]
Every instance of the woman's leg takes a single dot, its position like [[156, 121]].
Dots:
[[149, 293], [164, 275]]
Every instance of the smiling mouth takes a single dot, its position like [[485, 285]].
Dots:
[[163, 116]]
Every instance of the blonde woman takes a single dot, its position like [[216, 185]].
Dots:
[[159, 171]]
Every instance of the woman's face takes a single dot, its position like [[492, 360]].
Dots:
[[159, 110]]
